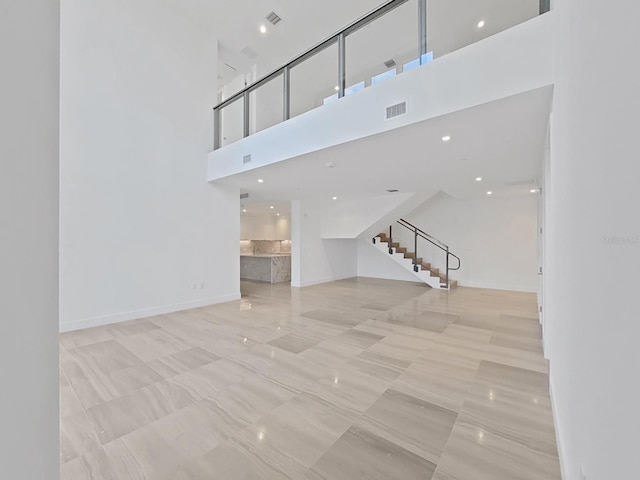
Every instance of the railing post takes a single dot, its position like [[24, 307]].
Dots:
[[447, 273], [422, 27], [390, 241], [216, 128], [247, 111], [286, 94], [342, 65], [415, 250]]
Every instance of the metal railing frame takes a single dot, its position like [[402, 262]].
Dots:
[[424, 235]]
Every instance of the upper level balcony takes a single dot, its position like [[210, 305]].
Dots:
[[405, 62]]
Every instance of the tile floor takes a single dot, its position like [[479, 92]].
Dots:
[[356, 379]]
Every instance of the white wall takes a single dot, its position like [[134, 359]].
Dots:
[[139, 223], [265, 227], [29, 49], [494, 236], [514, 61], [313, 259], [592, 240]]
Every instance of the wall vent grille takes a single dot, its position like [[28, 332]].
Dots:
[[243, 196], [246, 159], [390, 63], [396, 110], [273, 18]]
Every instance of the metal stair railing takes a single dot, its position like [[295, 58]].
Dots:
[[418, 233]]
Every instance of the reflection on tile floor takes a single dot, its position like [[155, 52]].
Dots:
[[359, 378]]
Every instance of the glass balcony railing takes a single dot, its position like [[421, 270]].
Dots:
[[396, 37]]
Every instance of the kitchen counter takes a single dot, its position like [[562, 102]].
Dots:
[[266, 267]]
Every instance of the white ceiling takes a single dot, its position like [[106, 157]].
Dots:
[[502, 142], [451, 25]]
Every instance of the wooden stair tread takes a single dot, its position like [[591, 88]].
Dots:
[[424, 266]]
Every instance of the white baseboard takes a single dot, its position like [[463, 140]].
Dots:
[[554, 412], [498, 286], [318, 281], [145, 312]]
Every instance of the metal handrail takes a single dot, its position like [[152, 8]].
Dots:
[[428, 237], [422, 234]]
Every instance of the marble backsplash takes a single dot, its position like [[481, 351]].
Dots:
[[252, 247]]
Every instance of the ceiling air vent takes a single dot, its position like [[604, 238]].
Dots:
[[243, 196], [249, 52], [273, 18], [246, 159], [396, 110], [393, 190], [390, 63]]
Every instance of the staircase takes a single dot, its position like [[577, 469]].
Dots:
[[419, 268]]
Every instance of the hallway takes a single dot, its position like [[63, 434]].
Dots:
[[359, 378]]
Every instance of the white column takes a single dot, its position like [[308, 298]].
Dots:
[[29, 48]]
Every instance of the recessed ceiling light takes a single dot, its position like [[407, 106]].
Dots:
[[478, 179], [335, 198], [533, 190], [244, 210], [277, 214], [271, 207], [329, 165], [489, 193], [446, 138], [260, 180], [336, 88], [263, 29], [481, 24]]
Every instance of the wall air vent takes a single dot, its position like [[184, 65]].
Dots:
[[249, 52], [273, 18], [396, 110], [246, 159], [393, 190], [390, 63], [244, 195]]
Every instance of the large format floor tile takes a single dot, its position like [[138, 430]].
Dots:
[[362, 454], [355, 379]]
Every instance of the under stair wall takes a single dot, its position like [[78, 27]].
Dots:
[[372, 264]]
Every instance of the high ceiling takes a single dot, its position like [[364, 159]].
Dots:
[[451, 25], [488, 141]]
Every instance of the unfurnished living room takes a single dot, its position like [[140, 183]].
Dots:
[[375, 239]]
